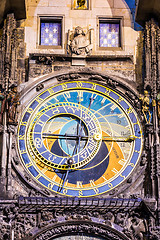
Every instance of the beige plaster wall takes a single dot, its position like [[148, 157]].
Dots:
[[85, 18]]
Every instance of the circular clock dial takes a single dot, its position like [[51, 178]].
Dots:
[[79, 139]]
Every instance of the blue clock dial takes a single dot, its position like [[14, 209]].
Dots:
[[80, 139]]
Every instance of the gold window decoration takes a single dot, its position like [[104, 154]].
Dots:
[[81, 4]]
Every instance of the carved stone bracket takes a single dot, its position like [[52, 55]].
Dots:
[[47, 60]]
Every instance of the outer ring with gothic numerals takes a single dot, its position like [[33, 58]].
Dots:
[[73, 118]]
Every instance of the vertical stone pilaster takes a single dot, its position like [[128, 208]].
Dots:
[[12, 61], [151, 82]]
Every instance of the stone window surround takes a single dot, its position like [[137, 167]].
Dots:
[[110, 20], [50, 18]]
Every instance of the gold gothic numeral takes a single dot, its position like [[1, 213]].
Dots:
[[23, 151], [65, 191], [119, 99], [64, 86], [110, 185], [38, 176], [30, 110], [28, 165], [51, 91], [107, 92], [39, 100], [24, 123], [21, 137], [129, 110], [94, 86], [80, 193], [79, 84], [50, 185], [93, 185]]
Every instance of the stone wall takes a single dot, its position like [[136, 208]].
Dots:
[[87, 19]]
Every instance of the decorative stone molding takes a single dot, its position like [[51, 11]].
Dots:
[[78, 227], [36, 218]]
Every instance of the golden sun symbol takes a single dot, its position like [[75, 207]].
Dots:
[[81, 3]]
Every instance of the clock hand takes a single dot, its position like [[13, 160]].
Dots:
[[64, 136], [69, 164], [119, 139], [80, 123], [96, 136], [52, 135], [91, 101], [79, 126], [70, 160]]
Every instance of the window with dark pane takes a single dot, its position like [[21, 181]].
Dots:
[[109, 34], [51, 33]]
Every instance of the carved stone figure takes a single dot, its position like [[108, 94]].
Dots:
[[120, 219], [2, 103], [145, 107], [158, 105], [138, 228], [39, 87], [11, 212], [80, 45], [13, 101]]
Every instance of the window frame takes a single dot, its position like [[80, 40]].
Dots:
[[50, 18], [113, 20]]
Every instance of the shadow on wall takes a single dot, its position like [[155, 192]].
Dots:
[[16, 6]]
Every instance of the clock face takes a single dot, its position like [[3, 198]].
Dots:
[[79, 139]]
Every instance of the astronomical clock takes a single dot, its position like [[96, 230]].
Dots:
[[79, 138], [79, 121]]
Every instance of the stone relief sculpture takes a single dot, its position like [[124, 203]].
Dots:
[[79, 42], [13, 101]]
